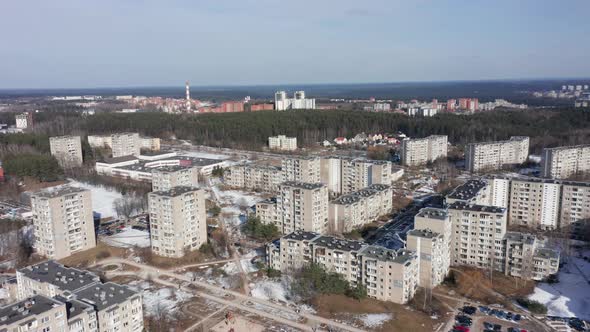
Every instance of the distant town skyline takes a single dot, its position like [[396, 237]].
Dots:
[[73, 44]]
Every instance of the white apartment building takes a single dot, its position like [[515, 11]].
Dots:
[[432, 255], [302, 169], [100, 141], [254, 177], [178, 221], [534, 204], [91, 305], [267, 212], [67, 150], [565, 161], [346, 175], [24, 120], [63, 221], [150, 143], [356, 209], [168, 177], [489, 156], [388, 275], [298, 102], [575, 208], [303, 207], [420, 151], [282, 143], [126, 144]]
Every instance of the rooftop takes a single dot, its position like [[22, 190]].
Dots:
[[301, 235], [103, 296], [117, 160], [338, 244], [468, 190], [569, 147], [520, 237], [476, 208], [74, 307], [58, 191], [425, 233], [389, 255], [27, 308], [175, 191], [512, 139], [171, 169], [303, 185], [64, 137], [547, 253], [433, 213], [65, 278]]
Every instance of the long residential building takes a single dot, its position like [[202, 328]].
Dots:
[[356, 209], [254, 177], [420, 151], [303, 169], [63, 221], [490, 156], [388, 275], [282, 143], [67, 150], [178, 221], [346, 175], [59, 298], [565, 161]]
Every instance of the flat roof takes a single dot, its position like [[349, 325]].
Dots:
[[511, 139], [520, 237], [433, 213], [117, 160], [24, 309], [547, 253], [476, 207], [425, 233], [194, 162], [63, 137], [65, 278], [468, 190], [74, 307], [175, 191], [338, 244], [171, 169], [301, 235], [400, 256], [303, 185], [569, 147], [58, 191], [103, 296]]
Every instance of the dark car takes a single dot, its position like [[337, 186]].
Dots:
[[469, 310], [497, 327], [516, 317]]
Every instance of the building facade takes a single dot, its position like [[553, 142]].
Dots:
[[168, 177], [125, 144], [346, 175], [302, 169], [565, 161], [352, 211], [303, 207], [298, 102], [63, 221], [282, 143], [490, 156], [254, 177], [178, 221], [416, 152], [150, 143], [67, 150]]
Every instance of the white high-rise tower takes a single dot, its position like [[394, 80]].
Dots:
[[188, 97]]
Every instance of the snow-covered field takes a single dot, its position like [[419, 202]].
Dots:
[[128, 238], [374, 320], [102, 198], [270, 290], [159, 300], [571, 296], [234, 202]]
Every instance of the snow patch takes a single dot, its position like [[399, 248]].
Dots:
[[374, 320], [129, 238], [270, 290], [102, 198], [159, 300]]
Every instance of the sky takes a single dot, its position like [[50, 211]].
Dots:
[[122, 43]]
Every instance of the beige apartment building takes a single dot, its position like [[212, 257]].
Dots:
[[100, 141], [346, 175], [150, 143], [254, 177], [267, 212], [354, 210], [420, 151], [534, 203], [527, 258], [302, 169], [168, 177], [125, 144], [303, 206], [565, 161], [488, 156], [432, 255], [575, 208], [63, 221], [67, 150], [38, 313], [178, 221], [282, 143], [388, 275], [91, 305]]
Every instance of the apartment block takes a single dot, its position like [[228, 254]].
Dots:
[[254, 177], [282, 143], [100, 141], [150, 143], [346, 175], [565, 161], [356, 209], [178, 221], [534, 204], [67, 150], [24, 120], [575, 208], [168, 177], [126, 144], [303, 206], [388, 275], [39, 313], [490, 156], [63, 221], [90, 305], [267, 212], [432, 255], [474, 191], [303, 169], [527, 258], [478, 232], [420, 151]]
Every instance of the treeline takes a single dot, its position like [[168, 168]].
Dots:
[[40, 166], [251, 130], [38, 141]]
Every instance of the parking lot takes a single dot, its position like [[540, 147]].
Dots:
[[488, 319], [116, 226]]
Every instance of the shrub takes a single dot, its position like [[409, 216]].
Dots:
[[532, 306], [256, 229]]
